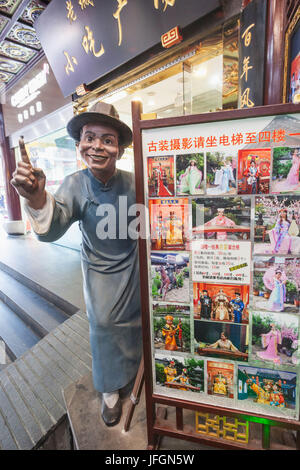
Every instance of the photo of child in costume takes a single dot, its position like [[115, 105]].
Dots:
[[269, 387], [276, 284], [190, 174], [277, 225], [220, 173], [171, 327], [179, 373], [286, 167], [170, 277], [275, 338]]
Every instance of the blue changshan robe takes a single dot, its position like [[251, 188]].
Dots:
[[110, 272]]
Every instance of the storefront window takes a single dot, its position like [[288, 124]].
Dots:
[[55, 153], [203, 79], [3, 210]]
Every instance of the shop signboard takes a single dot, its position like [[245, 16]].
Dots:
[[85, 39], [252, 54], [36, 95], [223, 194]]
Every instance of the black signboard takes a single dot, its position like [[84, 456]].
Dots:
[[252, 54], [85, 39]]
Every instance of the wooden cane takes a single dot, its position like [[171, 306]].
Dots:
[[135, 395]]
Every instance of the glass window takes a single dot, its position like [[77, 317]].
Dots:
[[55, 153], [3, 210], [204, 79]]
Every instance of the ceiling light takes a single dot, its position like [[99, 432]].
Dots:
[[200, 71]]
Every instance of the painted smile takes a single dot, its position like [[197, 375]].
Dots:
[[98, 158]]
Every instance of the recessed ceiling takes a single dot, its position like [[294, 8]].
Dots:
[[19, 45]]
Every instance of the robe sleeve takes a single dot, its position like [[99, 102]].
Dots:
[[40, 219], [60, 211]]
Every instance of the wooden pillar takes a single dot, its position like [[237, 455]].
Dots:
[[274, 61], [15, 225]]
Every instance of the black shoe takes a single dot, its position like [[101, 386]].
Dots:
[[125, 391], [111, 416]]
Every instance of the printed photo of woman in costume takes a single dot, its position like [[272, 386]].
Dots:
[[226, 218], [276, 284], [277, 220], [190, 174], [274, 337], [218, 339], [220, 174], [286, 166], [160, 176], [278, 294]]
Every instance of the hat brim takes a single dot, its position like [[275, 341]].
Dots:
[[75, 125]]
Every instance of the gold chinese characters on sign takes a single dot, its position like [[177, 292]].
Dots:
[[88, 40], [166, 3], [116, 15], [88, 43], [245, 101]]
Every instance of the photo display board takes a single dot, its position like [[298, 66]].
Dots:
[[223, 258]]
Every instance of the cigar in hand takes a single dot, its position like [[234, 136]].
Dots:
[[25, 158], [24, 154]]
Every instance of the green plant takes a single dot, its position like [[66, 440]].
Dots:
[[160, 373]]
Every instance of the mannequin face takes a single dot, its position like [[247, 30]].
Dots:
[[99, 148]]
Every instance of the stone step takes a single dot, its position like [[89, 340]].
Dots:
[[17, 336], [31, 398], [33, 285], [36, 312]]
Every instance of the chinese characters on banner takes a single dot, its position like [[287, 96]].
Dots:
[[251, 53], [225, 322], [86, 39], [225, 262]]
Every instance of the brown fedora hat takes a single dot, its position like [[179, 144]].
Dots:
[[103, 113]]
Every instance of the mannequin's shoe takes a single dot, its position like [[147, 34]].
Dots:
[[111, 416]]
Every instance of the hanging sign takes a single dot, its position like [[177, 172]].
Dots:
[[85, 39]]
